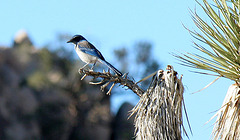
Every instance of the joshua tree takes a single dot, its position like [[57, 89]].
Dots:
[[219, 41], [159, 111]]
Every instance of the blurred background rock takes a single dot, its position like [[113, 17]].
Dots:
[[43, 98]]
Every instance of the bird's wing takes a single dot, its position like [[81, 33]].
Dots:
[[91, 50], [97, 51]]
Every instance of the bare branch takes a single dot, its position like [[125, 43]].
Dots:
[[114, 79]]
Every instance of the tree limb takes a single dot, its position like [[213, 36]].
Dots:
[[108, 78]]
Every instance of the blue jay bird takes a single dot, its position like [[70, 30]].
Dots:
[[89, 54]]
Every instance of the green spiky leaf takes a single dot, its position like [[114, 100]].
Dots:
[[220, 38]]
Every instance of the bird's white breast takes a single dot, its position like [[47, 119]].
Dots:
[[86, 57]]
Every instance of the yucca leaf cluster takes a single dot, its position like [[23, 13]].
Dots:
[[218, 40]]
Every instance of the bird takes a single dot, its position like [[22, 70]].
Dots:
[[89, 54]]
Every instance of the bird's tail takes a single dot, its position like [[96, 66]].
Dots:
[[112, 68]]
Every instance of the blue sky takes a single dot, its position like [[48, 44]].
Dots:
[[112, 24]]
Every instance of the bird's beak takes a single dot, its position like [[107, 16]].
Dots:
[[69, 41]]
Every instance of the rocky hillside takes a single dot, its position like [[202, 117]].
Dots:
[[42, 97]]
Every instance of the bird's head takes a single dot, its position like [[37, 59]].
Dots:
[[76, 38]]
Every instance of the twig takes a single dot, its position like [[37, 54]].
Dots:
[[109, 78]]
